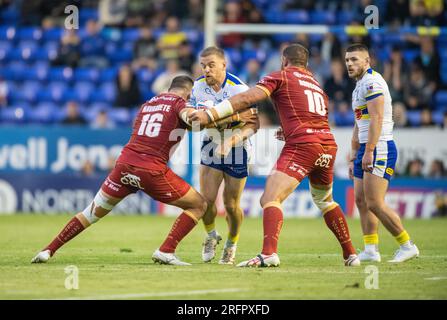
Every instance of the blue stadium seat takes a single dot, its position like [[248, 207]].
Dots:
[[43, 54], [57, 91], [295, 17], [344, 17], [16, 114], [441, 98], [322, 17], [272, 16], [146, 93], [10, 16], [108, 90], [8, 33], [30, 33], [36, 73], [234, 55], [60, 74], [145, 76], [7, 74], [130, 34], [121, 116], [410, 54], [119, 56], [83, 90], [53, 34], [344, 119], [438, 116], [108, 74], [30, 89], [86, 14], [44, 113], [86, 74], [414, 118]]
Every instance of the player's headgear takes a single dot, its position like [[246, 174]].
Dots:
[[296, 54], [182, 82]]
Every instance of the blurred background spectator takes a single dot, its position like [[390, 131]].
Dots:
[[127, 89], [73, 115], [3, 93]]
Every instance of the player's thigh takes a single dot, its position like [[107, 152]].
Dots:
[[233, 190], [374, 188], [210, 181], [278, 187], [162, 184], [322, 174], [191, 200], [114, 188]]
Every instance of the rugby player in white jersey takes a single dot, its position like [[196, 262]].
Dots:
[[224, 156], [373, 157]]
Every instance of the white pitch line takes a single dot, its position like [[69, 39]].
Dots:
[[151, 294], [436, 278]]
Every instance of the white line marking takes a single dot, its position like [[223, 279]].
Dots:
[[436, 278], [151, 294]]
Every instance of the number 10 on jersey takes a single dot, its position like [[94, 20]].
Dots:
[[316, 102]]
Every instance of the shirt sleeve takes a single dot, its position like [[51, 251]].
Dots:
[[270, 83], [372, 89]]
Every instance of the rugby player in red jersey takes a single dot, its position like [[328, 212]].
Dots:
[[309, 150], [142, 165]]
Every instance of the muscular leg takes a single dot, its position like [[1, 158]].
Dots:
[[210, 181], [101, 205], [278, 187], [194, 206], [368, 221], [375, 190], [232, 196], [333, 216]]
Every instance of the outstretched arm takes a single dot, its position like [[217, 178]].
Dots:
[[227, 107]]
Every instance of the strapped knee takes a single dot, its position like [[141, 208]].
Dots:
[[323, 199], [100, 200]]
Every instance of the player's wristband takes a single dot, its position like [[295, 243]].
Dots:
[[370, 147], [223, 109], [210, 116]]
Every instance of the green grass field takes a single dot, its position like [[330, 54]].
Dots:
[[113, 258]]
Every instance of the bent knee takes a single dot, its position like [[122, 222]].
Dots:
[[375, 206], [360, 202]]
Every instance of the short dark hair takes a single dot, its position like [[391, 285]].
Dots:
[[297, 54], [212, 50], [357, 47], [181, 82]]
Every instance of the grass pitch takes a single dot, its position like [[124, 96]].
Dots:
[[113, 259]]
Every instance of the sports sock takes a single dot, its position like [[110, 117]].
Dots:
[[231, 240], [181, 227], [211, 230], [403, 239], [371, 242], [71, 230], [335, 220], [272, 221]]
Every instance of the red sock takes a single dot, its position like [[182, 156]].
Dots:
[[71, 230], [272, 220], [181, 227], [335, 220]]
